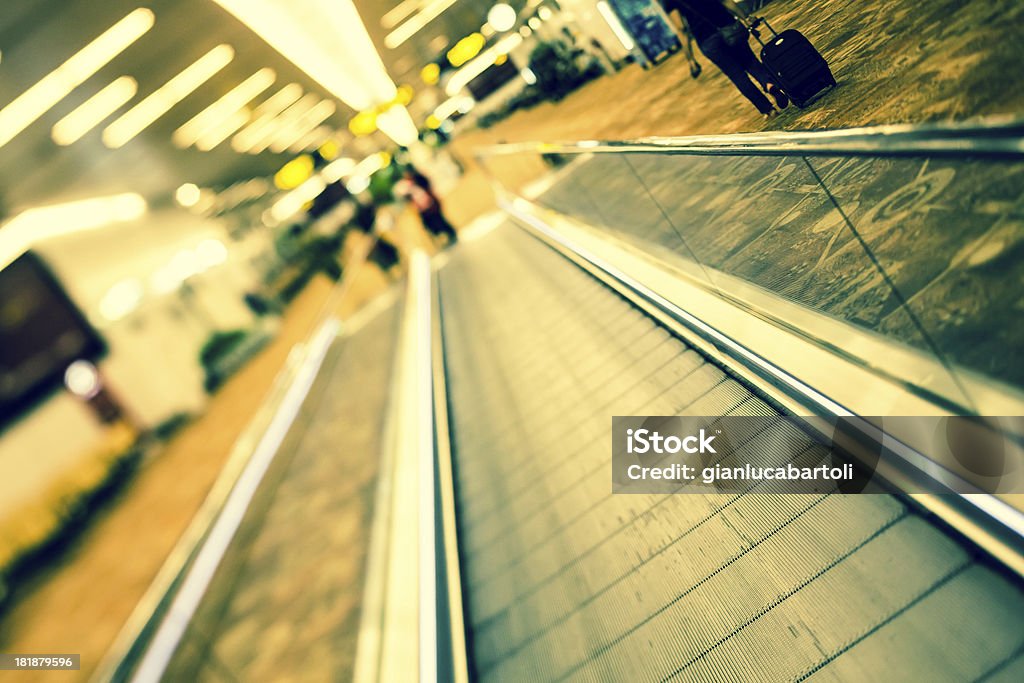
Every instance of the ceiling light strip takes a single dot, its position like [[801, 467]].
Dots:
[[94, 110], [301, 127], [146, 112], [399, 12], [219, 133], [270, 131], [225, 107], [417, 22], [56, 220], [55, 86], [312, 140], [264, 114]]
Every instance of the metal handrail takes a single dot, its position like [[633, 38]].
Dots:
[[992, 524], [259, 441], [1001, 137], [414, 552]]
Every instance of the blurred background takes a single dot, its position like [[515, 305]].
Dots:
[[188, 188]]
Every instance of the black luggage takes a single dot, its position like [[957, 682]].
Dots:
[[800, 69]]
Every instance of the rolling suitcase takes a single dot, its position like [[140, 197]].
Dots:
[[800, 69]]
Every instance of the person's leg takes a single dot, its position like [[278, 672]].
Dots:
[[716, 50], [437, 224], [744, 56]]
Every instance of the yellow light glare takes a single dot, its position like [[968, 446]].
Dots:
[[459, 103], [337, 169], [302, 126], [294, 173], [430, 74], [120, 300], [325, 39], [91, 113], [264, 114], [224, 108], [466, 49], [404, 94], [83, 379], [187, 195], [223, 130], [486, 59], [329, 150], [293, 202], [363, 123], [430, 11], [56, 85], [501, 17], [399, 12], [211, 252], [143, 114], [397, 124], [283, 122], [311, 140], [46, 222]]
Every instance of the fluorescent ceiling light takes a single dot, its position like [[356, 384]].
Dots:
[[501, 17], [55, 86], [188, 195], [417, 22], [324, 38], [46, 222], [158, 103], [292, 202], [268, 134], [399, 12], [219, 133], [398, 125], [301, 127], [91, 113], [223, 108], [337, 169], [458, 103], [463, 76], [264, 114], [312, 140]]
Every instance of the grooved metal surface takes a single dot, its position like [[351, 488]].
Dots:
[[565, 581]]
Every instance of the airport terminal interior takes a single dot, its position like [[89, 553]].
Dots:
[[511, 340]]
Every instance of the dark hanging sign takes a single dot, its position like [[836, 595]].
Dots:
[[41, 333]]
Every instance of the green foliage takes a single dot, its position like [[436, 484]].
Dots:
[[219, 345], [557, 73], [556, 70]]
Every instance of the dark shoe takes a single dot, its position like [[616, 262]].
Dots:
[[694, 69], [781, 99]]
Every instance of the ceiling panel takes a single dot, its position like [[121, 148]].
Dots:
[[36, 37]]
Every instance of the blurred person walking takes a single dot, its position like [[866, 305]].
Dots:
[[415, 188], [721, 30], [377, 224]]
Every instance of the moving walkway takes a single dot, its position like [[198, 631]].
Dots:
[[455, 437]]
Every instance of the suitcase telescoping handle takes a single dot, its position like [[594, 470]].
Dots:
[[757, 21]]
